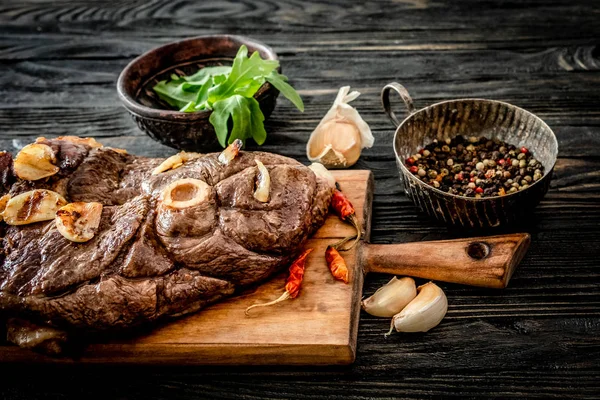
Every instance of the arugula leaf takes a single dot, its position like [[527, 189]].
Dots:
[[243, 72], [280, 82], [173, 93], [229, 93], [246, 116]]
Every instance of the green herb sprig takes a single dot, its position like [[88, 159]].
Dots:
[[229, 92]]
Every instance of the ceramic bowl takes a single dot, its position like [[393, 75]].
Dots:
[[185, 131], [470, 117]]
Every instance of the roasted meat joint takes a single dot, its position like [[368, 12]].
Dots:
[[94, 239]]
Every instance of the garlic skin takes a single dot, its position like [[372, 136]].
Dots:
[[322, 173], [341, 135], [33, 206], [425, 312], [391, 298], [35, 161]]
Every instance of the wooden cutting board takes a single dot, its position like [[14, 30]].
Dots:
[[320, 326]]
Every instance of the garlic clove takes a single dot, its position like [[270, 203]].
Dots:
[[78, 221], [341, 135], [175, 161], [185, 193], [33, 206], [391, 298], [230, 152], [35, 161], [3, 201], [263, 183], [425, 312], [322, 173]]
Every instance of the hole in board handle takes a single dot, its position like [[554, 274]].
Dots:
[[478, 250]]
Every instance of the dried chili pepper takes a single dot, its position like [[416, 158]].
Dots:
[[292, 283], [336, 264], [343, 208]]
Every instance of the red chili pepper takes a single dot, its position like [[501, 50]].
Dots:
[[344, 209], [292, 283], [336, 264]]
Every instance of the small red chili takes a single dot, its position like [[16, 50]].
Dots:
[[292, 283], [344, 209], [336, 264]]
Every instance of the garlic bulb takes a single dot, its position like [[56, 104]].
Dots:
[[391, 298], [426, 311], [341, 135]]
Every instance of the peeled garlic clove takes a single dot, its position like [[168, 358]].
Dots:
[[35, 161], [33, 206], [322, 173], [391, 298], [78, 221], [175, 161], [185, 193], [426, 311], [263, 183], [341, 135], [230, 152], [3, 201]]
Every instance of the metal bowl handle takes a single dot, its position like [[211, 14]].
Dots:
[[403, 93]]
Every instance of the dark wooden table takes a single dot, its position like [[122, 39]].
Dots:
[[539, 338]]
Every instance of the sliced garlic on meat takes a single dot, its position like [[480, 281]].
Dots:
[[78, 221], [322, 173], [230, 152], [184, 193], [263, 183], [175, 161], [33, 206], [35, 161], [3, 201]]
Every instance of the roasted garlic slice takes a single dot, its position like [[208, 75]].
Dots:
[[230, 152], [3, 201], [184, 193], [33, 206], [263, 183], [35, 161], [175, 161], [78, 221]]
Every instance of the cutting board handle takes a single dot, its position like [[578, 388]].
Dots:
[[481, 261]]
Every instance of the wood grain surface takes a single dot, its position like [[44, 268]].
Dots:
[[59, 61]]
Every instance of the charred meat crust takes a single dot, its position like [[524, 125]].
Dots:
[[147, 262]]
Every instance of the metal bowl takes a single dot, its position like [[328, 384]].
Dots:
[[185, 131], [470, 117]]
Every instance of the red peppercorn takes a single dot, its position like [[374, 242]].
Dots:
[[410, 161], [524, 150], [414, 169], [478, 190], [501, 161], [458, 177], [421, 151], [508, 161], [472, 179]]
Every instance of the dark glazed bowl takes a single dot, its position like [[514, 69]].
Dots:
[[185, 131], [470, 117]]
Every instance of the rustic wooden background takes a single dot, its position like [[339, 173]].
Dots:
[[59, 61]]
